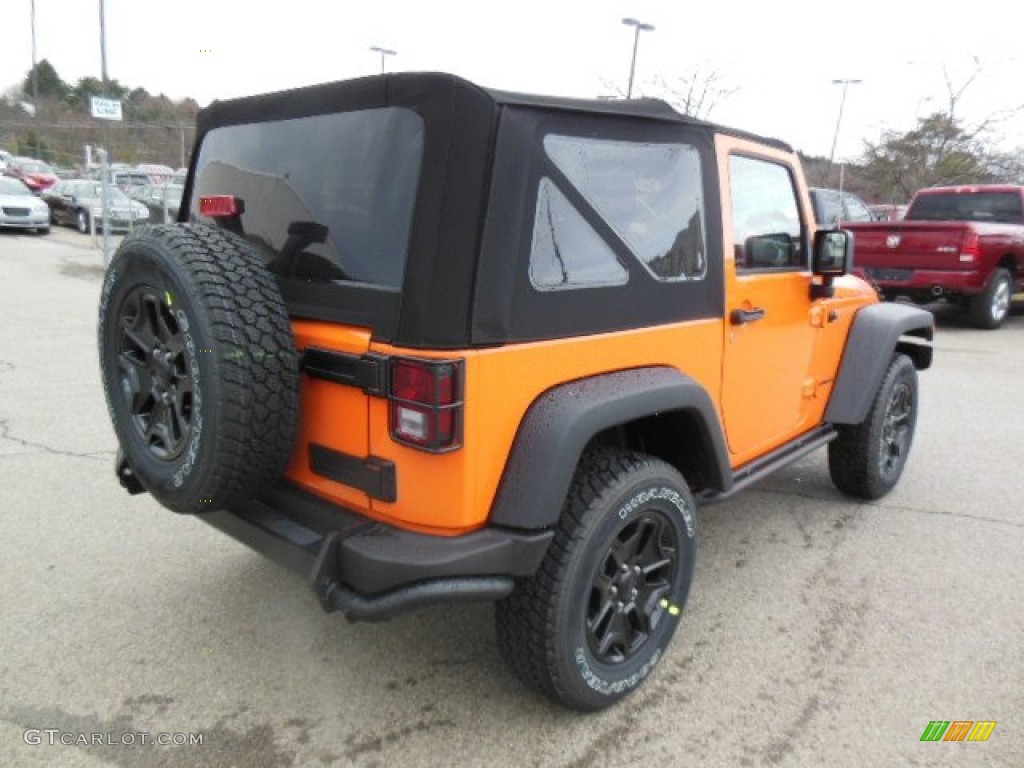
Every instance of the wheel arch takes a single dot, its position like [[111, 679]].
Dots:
[[878, 332], [660, 411], [1009, 262]]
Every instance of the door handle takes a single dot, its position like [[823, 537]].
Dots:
[[744, 316]]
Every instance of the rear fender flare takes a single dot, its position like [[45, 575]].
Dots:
[[561, 422]]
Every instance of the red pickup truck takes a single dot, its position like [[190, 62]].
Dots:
[[962, 244]]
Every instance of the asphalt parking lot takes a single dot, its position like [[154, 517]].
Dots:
[[820, 631]]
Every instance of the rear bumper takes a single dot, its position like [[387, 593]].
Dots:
[[923, 282], [371, 571]]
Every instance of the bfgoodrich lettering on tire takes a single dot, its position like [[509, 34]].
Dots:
[[199, 365], [592, 624]]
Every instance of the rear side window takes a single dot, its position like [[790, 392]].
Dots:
[[328, 198], [856, 210], [649, 194]]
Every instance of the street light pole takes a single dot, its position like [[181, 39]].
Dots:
[[35, 81], [638, 27], [103, 46], [846, 83], [384, 52], [35, 75]]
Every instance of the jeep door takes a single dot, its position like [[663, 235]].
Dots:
[[769, 342]]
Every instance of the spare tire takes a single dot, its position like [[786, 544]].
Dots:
[[199, 366]]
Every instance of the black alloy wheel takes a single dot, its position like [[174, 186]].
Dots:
[[155, 373], [597, 618], [628, 595], [897, 430]]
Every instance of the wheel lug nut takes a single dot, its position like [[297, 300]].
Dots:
[[633, 594], [613, 591], [625, 568]]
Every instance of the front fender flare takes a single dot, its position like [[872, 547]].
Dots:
[[877, 332]]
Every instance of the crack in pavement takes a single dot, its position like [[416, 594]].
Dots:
[[5, 434], [893, 507], [7, 366]]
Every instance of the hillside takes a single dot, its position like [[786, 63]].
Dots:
[[155, 128]]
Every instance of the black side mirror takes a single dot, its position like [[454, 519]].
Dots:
[[832, 257]]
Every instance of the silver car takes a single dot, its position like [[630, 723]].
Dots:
[[20, 208]]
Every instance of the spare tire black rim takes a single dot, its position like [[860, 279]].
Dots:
[[155, 372], [629, 591]]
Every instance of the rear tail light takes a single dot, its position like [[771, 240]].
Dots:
[[970, 248], [426, 403], [220, 206]]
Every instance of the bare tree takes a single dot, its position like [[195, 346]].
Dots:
[[695, 93], [941, 149]]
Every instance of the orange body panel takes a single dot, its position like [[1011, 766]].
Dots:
[[330, 414], [778, 375], [778, 372], [452, 493]]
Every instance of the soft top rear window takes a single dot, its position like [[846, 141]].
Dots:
[[328, 198]]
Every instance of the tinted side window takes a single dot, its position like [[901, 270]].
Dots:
[[650, 194], [343, 184], [767, 232], [829, 209], [856, 210]]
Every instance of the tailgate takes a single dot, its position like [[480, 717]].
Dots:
[[934, 245]]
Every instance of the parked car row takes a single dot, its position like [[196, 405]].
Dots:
[[78, 203]]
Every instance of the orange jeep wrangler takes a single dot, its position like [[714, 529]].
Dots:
[[424, 341]]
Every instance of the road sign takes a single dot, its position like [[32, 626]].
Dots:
[[106, 109]]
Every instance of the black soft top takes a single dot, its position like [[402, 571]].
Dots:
[[397, 88], [462, 279]]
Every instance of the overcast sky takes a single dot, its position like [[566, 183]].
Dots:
[[780, 58]]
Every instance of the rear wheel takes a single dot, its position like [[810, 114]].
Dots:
[[199, 366], [82, 222], [867, 459], [989, 308], [590, 626]]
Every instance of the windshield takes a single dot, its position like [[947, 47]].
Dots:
[[35, 167], [94, 190], [13, 187]]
